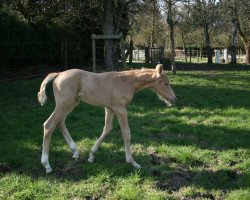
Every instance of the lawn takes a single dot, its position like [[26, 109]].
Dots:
[[197, 149]]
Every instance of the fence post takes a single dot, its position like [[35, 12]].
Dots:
[[147, 55], [183, 55], [225, 55], [190, 55], [217, 56], [64, 55], [201, 50], [123, 51], [197, 56], [161, 54], [94, 52]]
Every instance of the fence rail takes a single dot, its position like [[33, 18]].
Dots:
[[34, 58]]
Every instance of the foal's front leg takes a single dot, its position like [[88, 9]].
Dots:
[[109, 116], [123, 121]]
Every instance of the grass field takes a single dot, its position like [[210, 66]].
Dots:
[[198, 149]]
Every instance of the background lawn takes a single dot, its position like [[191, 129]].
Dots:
[[198, 149]]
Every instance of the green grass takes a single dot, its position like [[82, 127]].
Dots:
[[198, 149], [193, 59]]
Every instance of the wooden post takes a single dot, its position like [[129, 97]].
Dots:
[[190, 54], [123, 52], [108, 37], [94, 52], [197, 56], [183, 55], [147, 55], [161, 54], [201, 52], [64, 55]]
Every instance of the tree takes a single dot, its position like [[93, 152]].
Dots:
[[243, 26], [112, 15], [171, 24], [171, 12], [229, 12], [184, 27], [148, 25], [37, 11], [204, 14], [236, 13]]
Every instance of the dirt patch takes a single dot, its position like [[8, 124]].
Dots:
[[68, 170], [4, 168], [156, 172], [175, 180], [201, 195], [72, 167], [233, 175], [157, 159], [154, 158]]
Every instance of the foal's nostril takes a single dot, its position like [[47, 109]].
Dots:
[[173, 100]]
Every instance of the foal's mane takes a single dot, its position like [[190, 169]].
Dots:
[[135, 75], [141, 71]]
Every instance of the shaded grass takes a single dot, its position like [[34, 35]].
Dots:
[[197, 149]]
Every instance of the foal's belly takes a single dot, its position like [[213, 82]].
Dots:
[[94, 100]]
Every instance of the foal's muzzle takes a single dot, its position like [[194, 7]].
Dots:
[[173, 100]]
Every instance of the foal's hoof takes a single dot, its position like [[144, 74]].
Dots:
[[91, 160], [76, 156], [48, 170], [137, 166]]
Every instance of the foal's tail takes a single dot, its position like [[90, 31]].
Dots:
[[41, 94]]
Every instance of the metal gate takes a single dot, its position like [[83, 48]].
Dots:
[[154, 55]]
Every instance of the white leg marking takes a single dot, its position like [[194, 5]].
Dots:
[[94, 149], [45, 163], [91, 157], [73, 148], [137, 166]]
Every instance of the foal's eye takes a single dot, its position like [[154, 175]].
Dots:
[[165, 83]]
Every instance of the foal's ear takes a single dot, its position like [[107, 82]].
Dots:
[[159, 69]]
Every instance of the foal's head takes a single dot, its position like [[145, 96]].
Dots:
[[162, 86]]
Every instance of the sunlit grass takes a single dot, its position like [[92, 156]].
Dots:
[[198, 149]]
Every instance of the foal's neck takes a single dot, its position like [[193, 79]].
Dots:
[[144, 79]]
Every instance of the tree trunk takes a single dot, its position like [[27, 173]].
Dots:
[[201, 50], [246, 42], [171, 27], [247, 47], [173, 69], [131, 47], [110, 46], [183, 46], [129, 52], [234, 42], [153, 28], [208, 45]]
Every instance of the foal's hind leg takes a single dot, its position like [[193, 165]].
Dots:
[[109, 116], [63, 107], [65, 132], [49, 126]]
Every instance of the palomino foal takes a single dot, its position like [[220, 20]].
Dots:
[[111, 90]]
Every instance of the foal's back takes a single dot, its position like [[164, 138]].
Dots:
[[103, 89]]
